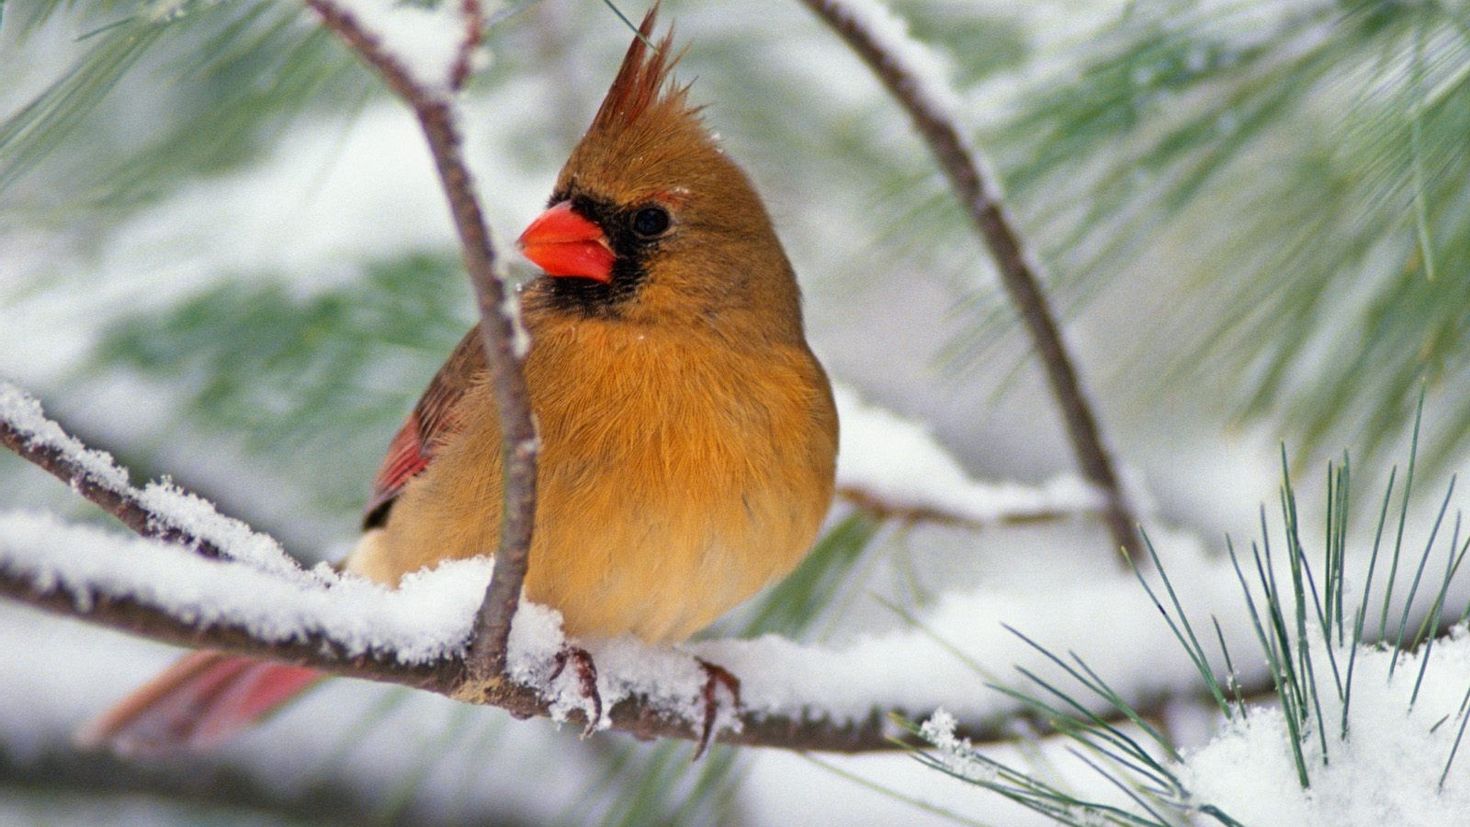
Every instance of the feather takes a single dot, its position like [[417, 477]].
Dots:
[[641, 83], [432, 421]]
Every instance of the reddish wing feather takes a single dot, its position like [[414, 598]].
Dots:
[[433, 420]]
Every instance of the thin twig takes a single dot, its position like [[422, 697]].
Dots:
[[498, 325], [116, 498], [933, 515], [1019, 273]]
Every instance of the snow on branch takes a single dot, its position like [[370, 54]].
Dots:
[[413, 72], [416, 635], [794, 696], [917, 81], [240, 599], [894, 468], [159, 510]]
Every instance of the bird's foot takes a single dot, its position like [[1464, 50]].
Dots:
[[714, 677], [581, 661]]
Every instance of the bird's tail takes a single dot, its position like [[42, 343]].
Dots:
[[202, 700]]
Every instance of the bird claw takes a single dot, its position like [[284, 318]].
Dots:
[[714, 676], [586, 681]]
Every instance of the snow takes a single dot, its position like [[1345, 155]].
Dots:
[[25, 414], [956, 753], [423, 39], [899, 463], [429, 618], [930, 69], [177, 508], [1248, 770]]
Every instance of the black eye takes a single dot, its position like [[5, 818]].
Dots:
[[650, 222]]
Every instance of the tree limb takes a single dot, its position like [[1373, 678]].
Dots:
[[881, 508], [1020, 274], [449, 676], [114, 496], [499, 325]]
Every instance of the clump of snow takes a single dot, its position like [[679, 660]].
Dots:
[[428, 618], [1388, 769], [898, 462], [670, 680], [24, 414], [957, 754], [189, 512]]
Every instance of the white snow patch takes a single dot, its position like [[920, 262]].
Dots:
[[24, 414], [898, 462], [426, 619], [1386, 771], [957, 754]]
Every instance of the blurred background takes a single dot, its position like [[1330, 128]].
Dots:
[[224, 256]]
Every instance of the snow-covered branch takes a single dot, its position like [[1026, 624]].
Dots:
[[908, 71], [159, 510], [415, 636], [248, 599], [426, 85], [251, 599]]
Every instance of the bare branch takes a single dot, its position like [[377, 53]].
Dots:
[[498, 320], [1020, 274]]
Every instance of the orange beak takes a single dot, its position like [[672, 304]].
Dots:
[[563, 243]]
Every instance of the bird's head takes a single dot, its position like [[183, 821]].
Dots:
[[651, 222]]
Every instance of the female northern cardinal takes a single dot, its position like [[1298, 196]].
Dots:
[[689, 434]]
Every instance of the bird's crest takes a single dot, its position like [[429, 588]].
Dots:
[[642, 81]]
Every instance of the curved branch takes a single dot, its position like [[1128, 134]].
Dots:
[[122, 502], [91, 474], [503, 338], [1019, 273]]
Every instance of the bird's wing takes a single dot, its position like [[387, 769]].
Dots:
[[434, 419]]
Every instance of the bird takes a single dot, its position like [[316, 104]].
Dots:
[[688, 433]]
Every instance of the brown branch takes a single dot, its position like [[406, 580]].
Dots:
[[121, 501], [636, 715], [915, 514], [449, 676], [498, 327], [1019, 275], [219, 784]]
